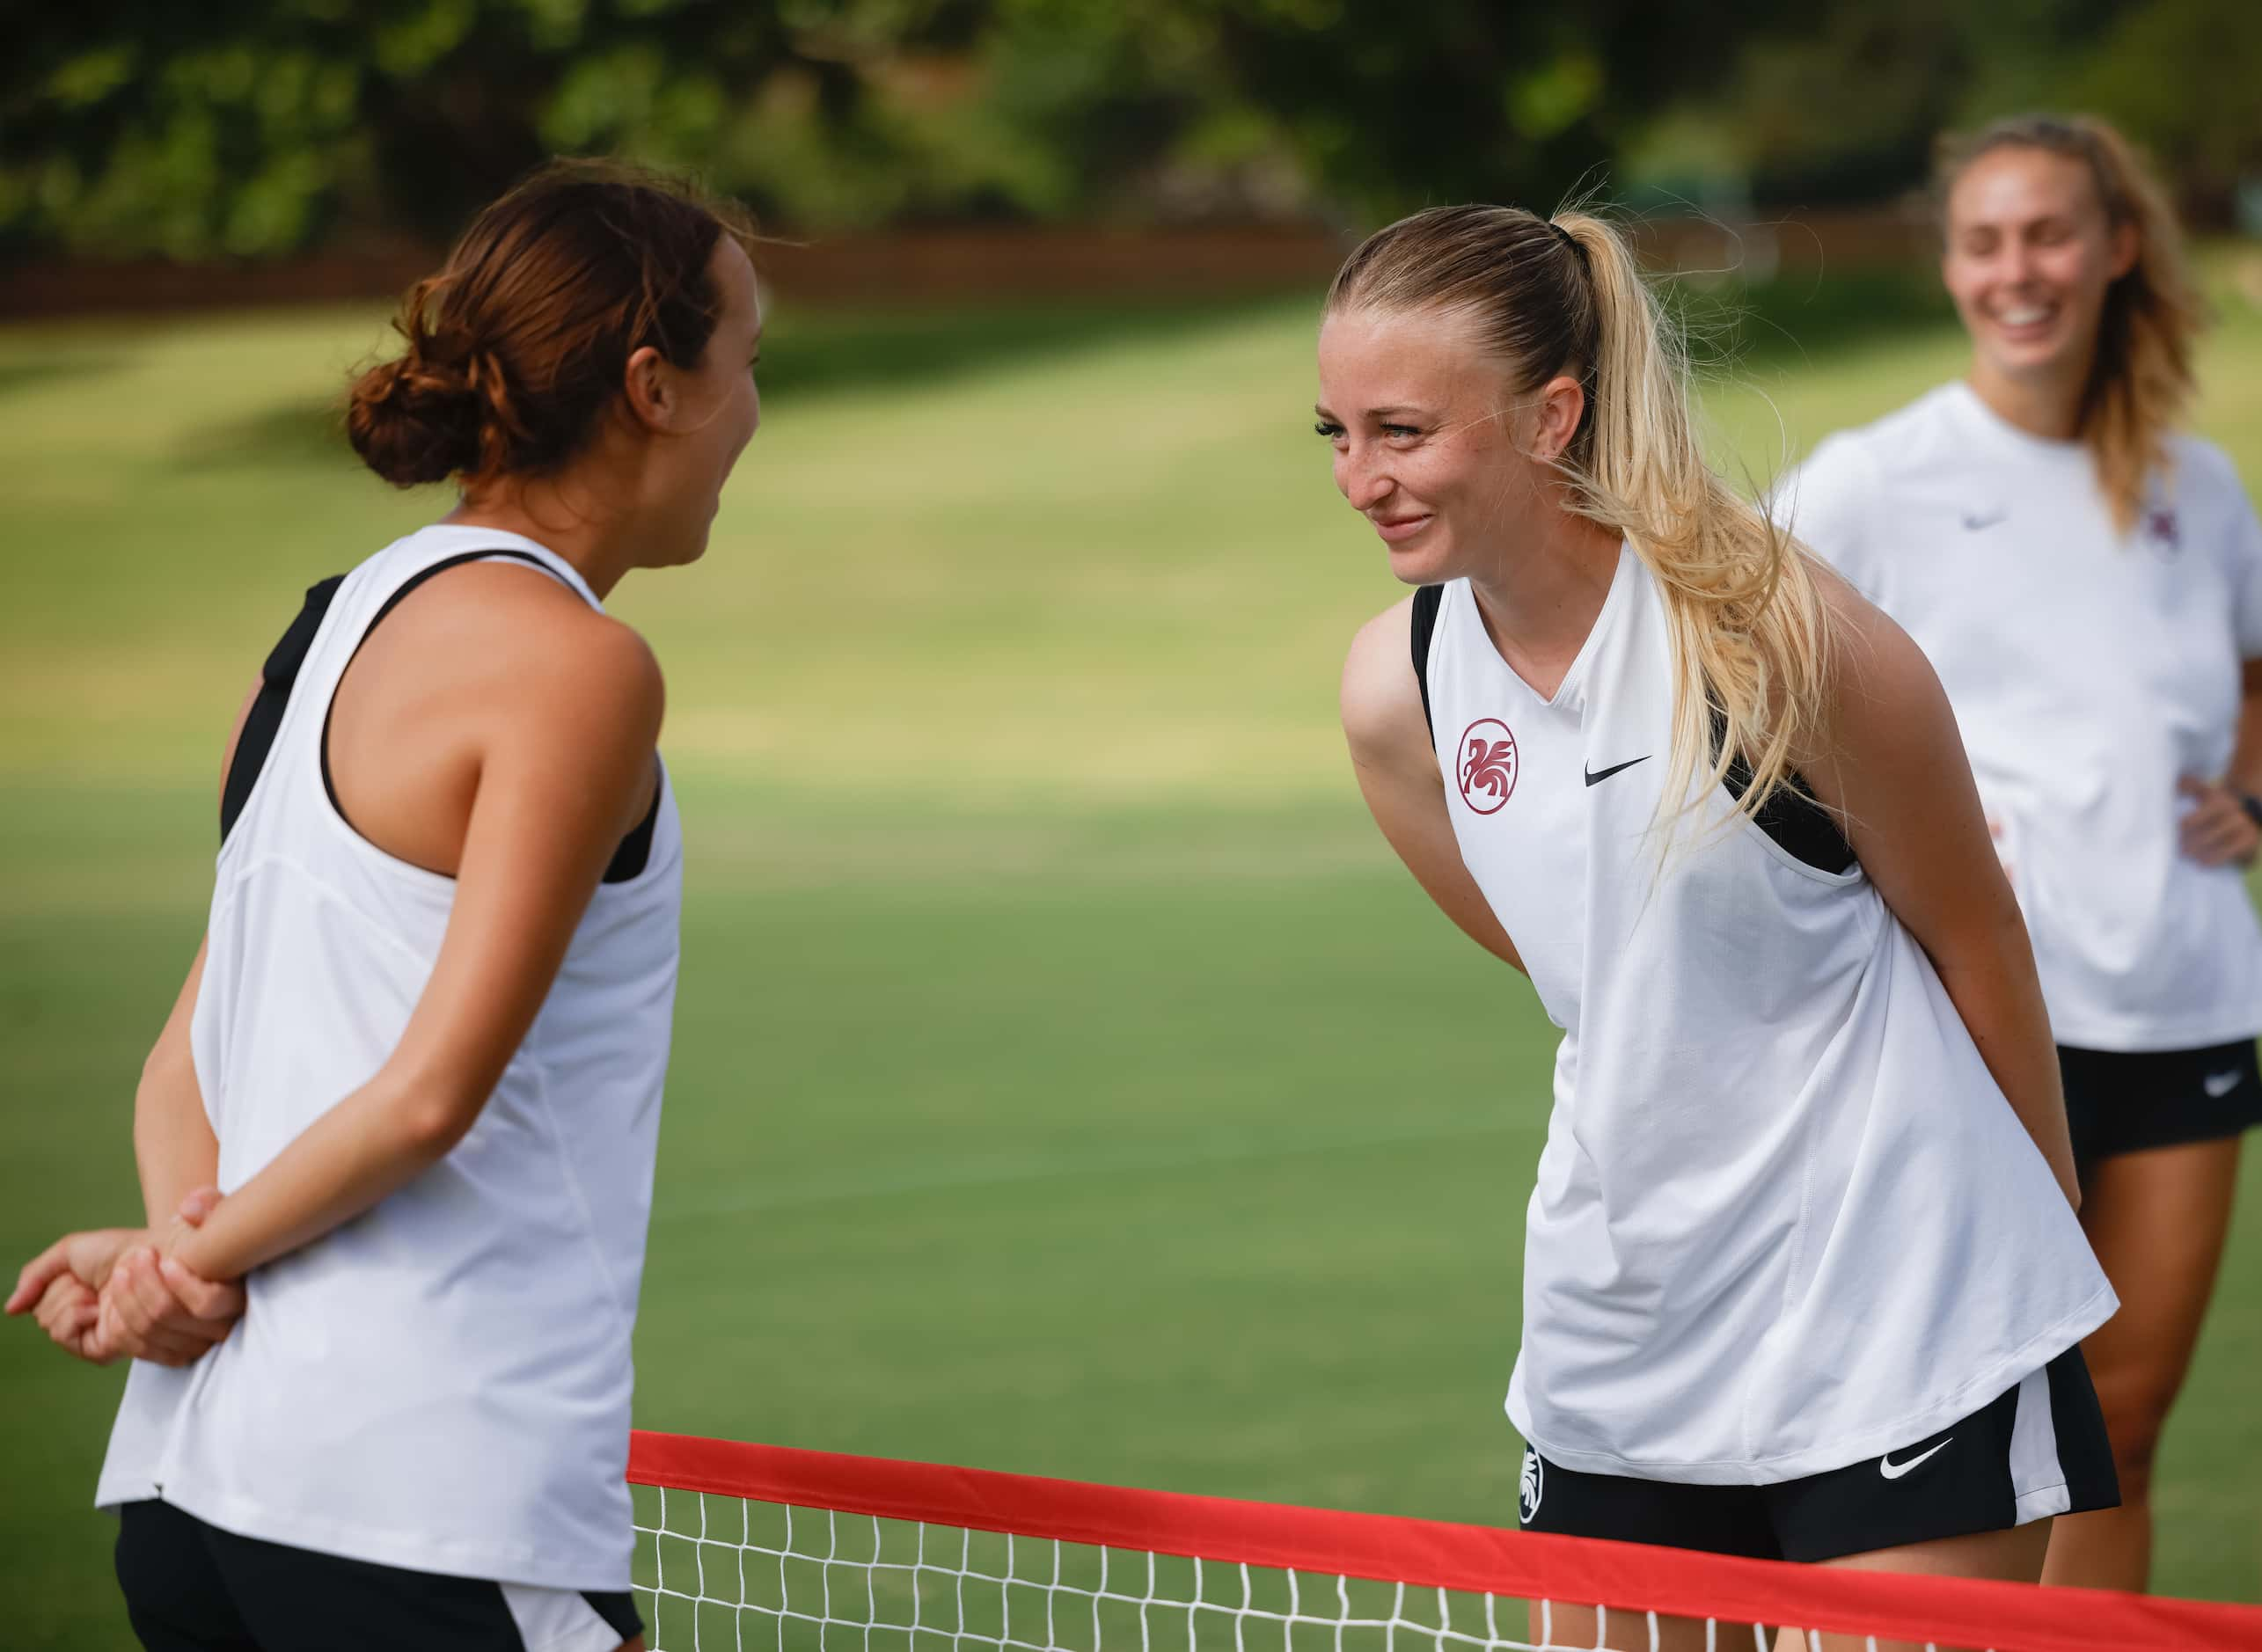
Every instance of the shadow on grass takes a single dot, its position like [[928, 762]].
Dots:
[[292, 434], [812, 355], [808, 356], [33, 371]]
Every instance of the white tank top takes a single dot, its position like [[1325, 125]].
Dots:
[[442, 1384], [1784, 1219], [2089, 669]]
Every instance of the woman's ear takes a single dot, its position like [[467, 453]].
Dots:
[[1561, 405], [649, 387], [2127, 243]]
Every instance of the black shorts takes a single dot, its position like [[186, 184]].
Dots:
[[191, 1587], [2040, 1449], [2119, 1102]]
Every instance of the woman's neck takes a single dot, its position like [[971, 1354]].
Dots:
[[1539, 599], [2048, 406], [546, 510]]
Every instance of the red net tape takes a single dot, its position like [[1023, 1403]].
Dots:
[[1436, 1554]]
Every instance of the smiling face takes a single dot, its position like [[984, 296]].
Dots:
[[2031, 254], [1429, 436]]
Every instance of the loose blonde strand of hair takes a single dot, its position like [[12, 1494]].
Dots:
[[1751, 633]]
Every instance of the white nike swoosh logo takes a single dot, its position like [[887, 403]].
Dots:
[[1891, 1470], [2221, 1084]]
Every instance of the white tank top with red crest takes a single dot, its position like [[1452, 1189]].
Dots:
[[1784, 1219]]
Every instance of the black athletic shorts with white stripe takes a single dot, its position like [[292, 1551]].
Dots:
[[191, 1587], [2040, 1449]]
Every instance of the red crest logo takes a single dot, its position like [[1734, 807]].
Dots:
[[1488, 764]]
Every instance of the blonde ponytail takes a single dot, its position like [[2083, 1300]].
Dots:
[[1751, 633]]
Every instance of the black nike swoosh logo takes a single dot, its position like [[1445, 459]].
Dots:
[[1594, 778], [1973, 521]]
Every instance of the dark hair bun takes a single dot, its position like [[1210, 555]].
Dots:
[[513, 352], [413, 420]]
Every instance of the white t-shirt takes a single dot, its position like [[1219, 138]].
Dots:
[[2088, 670], [1784, 1219], [443, 1383]]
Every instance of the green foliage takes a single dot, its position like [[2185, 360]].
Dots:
[[243, 129], [2181, 76], [240, 128], [248, 128], [1847, 102]]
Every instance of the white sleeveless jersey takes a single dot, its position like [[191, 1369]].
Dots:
[[442, 1384], [1784, 1219], [2089, 669]]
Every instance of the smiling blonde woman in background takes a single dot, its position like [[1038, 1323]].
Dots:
[[2086, 579]]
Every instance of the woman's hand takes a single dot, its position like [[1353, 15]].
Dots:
[[61, 1287], [2218, 831], [155, 1308], [86, 1257], [67, 1311], [107, 1291]]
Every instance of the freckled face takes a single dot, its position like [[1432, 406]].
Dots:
[[1420, 418]]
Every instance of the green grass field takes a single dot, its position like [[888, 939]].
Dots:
[[1067, 1080]]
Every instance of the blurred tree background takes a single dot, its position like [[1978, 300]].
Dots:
[[232, 128]]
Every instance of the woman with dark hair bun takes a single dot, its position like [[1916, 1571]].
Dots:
[[396, 1140]]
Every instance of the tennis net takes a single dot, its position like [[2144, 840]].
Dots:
[[752, 1546]]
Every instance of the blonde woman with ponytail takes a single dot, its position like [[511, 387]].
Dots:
[[1802, 1277], [2086, 579]]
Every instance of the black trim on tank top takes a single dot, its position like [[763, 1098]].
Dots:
[[1424, 626], [1792, 815], [257, 737], [629, 857]]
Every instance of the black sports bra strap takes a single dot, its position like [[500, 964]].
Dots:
[[399, 595], [1790, 814], [264, 720], [632, 852], [422, 575], [1427, 602]]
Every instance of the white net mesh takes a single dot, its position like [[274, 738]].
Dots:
[[717, 1574], [741, 1546]]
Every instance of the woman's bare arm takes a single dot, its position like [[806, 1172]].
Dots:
[[1890, 763], [174, 1149], [175, 1155], [2217, 831], [1397, 770], [564, 715]]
